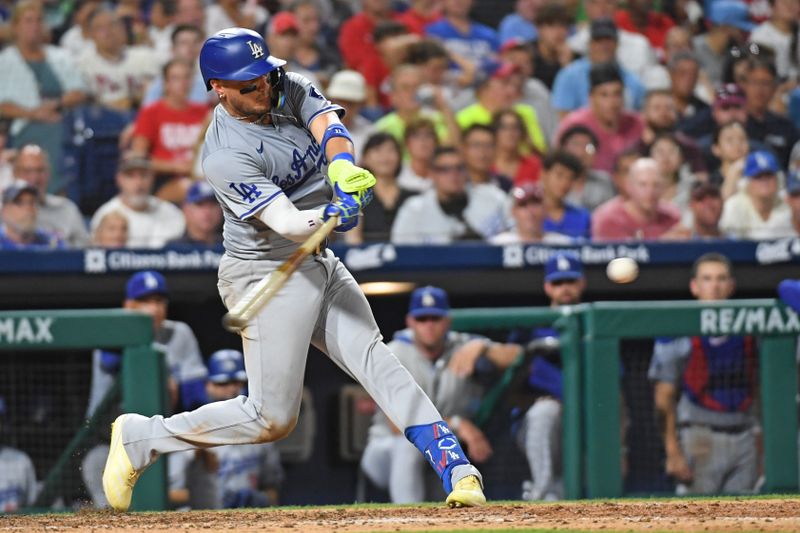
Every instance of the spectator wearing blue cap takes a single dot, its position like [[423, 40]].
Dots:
[[729, 22], [146, 292], [19, 217], [757, 211], [203, 217], [442, 363]]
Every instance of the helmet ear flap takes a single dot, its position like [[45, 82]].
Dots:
[[276, 80]]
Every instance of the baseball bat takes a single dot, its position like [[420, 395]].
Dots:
[[262, 292]]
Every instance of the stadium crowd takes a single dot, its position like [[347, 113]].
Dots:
[[569, 121]]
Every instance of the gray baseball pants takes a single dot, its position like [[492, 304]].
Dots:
[[321, 304], [720, 462]]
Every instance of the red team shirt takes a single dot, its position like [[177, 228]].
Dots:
[[173, 133]]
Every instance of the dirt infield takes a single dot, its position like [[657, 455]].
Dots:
[[657, 515]]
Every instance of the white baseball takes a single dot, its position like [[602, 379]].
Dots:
[[622, 270]]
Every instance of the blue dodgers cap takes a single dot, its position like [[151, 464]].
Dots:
[[760, 162], [563, 266], [731, 13], [199, 191], [145, 283], [429, 301], [226, 365]]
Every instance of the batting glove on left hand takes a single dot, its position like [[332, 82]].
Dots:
[[346, 207], [350, 178]]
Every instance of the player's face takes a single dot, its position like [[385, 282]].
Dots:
[[713, 281], [429, 331], [154, 305], [253, 104], [565, 291], [223, 391]]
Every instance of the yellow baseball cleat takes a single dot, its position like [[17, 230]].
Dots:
[[119, 476], [467, 493]]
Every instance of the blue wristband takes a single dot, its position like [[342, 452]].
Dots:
[[345, 155]]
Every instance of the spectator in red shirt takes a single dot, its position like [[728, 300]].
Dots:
[[355, 34], [640, 18], [420, 14], [391, 39], [640, 216], [515, 158], [606, 116], [167, 131]]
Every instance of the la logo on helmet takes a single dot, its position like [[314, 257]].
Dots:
[[256, 49]]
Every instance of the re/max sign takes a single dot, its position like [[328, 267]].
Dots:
[[34, 330], [732, 321]]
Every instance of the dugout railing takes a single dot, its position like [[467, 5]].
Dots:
[[141, 377], [591, 335]]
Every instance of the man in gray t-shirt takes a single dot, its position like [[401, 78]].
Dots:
[[269, 146]]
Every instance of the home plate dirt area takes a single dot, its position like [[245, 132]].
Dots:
[[663, 515]]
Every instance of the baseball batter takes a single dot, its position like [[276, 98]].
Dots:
[[266, 154], [704, 397]]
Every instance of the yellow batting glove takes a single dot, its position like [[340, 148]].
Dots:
[[350, 178]]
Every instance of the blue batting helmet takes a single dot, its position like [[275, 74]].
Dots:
[[236, 54], [226, 365]]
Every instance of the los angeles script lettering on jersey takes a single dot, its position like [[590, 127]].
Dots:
[[302, 164]]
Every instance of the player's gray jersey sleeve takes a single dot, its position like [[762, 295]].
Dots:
[[305, 100], [240, 180], [669, 357]]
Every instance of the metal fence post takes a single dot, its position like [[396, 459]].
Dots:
[[143, 393], [778, 386]]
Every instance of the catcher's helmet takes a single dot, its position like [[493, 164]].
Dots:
[[236, 54]]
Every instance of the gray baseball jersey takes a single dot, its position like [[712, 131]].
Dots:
[[249, 165], [174, 339], [17, 480]]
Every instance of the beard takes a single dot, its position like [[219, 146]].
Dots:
[[137, 201]]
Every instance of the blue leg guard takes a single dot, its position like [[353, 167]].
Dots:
[[440, 447]]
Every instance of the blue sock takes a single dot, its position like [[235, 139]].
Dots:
[[440, 447]]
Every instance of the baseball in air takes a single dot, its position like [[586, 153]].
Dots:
[[622, 270]]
